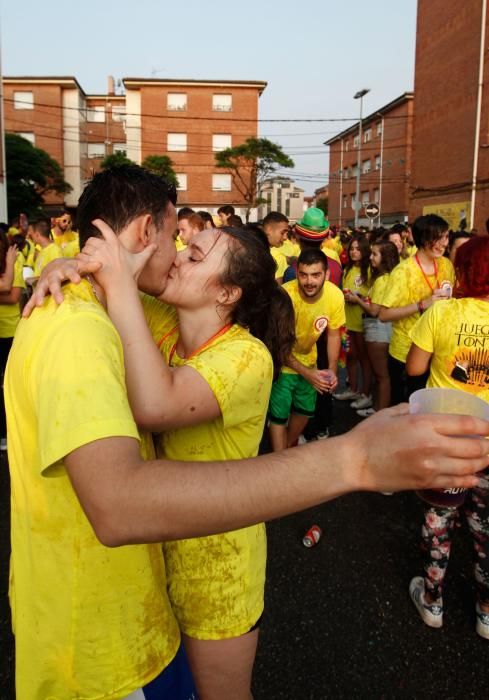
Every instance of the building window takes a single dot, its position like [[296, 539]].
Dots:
[[353, 201], [377, 162], [23, 100], [221, 183], [346, 173], [365, 197], [367, 136], [376, 196], [176, 101], [182, 182], [347, 145], [221, 141], [356, 141], [118, 113], [222, 103], [177, 142], [28, 136], [366, 166], [354, 170], [96, 114], [119, 148], [96, 150], [345, 201], [379, 128]]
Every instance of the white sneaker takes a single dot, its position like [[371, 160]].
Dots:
[[432, 615], [482, 622], [365, 412], [3, 444], [346, 395], [362, 402], [301, 440]]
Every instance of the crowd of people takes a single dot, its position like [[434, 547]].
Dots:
[[138, 389]]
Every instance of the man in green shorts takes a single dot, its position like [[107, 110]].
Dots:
[[318, 306]]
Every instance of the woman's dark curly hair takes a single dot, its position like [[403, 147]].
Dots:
[[264, 308]]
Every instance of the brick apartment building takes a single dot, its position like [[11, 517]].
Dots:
[[451, 142], [385, 165], [188, 120]]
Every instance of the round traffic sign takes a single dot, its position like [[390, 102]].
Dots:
[[372, 210]]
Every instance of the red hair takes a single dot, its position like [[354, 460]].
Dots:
[[472, 268]]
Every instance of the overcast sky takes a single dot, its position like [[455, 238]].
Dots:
[[314, 55]]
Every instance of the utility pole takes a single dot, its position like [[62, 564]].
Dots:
[[359, 96]]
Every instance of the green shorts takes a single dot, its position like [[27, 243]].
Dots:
[[291, 393]]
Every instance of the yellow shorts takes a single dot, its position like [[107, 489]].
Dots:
[[216, 584]]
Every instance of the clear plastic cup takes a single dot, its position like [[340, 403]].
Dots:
[[439, 400]]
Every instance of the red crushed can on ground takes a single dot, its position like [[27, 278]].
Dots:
[[312, 536]]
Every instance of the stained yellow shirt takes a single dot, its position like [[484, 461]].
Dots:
[[456, 332], [45, 256], [10, 313], [216, 583], [90, 621], [312, 319], [353, 280], [407, 285]]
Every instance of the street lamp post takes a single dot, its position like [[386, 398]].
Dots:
[[359, 96]]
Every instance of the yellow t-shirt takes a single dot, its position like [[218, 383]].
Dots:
[[280, 259], [312, 319], [216, 583], [333, 244], [10, 313], [456, 332], [71, 250], [45, 256], [352, 280], [330, 253], [64, 238], [179, 244], [90, 621], [411, 249], [290, 249], [378, 288], [407, 285]]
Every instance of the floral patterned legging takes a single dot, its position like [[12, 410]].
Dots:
[[437, 532]]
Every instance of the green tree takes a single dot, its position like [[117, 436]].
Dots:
[[115, 160], [31, 174], [322, 203], [162, 166], [250, 164]]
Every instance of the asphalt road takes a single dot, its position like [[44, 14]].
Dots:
[[339, 623]]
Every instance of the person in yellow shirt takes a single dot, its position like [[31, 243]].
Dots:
[[84, 501], [414, 285], [276, 228], [226, 298], [383, 259], [356, 283], [318, 306], [11, 287], [451, 340], [41, 237], [61, 231]]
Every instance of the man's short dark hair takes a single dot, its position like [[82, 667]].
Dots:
[[206, 217], [119, 195], [235, 221], [226, 209], [275, 217], [43, 227], [184, 213], [428, 229], [312, 256]]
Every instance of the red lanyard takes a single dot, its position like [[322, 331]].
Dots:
[[210, 340], [425, 276]]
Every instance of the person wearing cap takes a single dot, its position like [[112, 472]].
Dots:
[[311, 231]]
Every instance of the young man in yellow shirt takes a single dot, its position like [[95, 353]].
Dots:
[[49, 250], [276, 228], [318, 306], [88, 594]]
